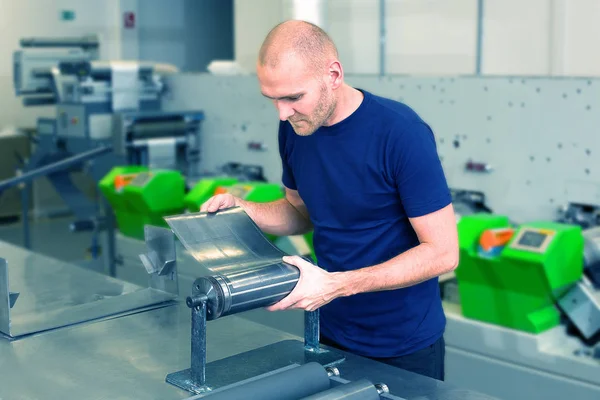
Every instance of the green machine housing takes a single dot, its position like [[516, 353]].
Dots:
[[519, 286], [144, 199], [260, 192], [204, 190]]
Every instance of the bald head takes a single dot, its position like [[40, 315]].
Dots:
[[297, 39]]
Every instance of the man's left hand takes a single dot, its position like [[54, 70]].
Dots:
[[315, 288]]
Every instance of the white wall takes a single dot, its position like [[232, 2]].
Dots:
[[516, 37], [161, 31], [439, 37], [430, 37], [186, 33], [354, 27], [583, 33], [253, 19]]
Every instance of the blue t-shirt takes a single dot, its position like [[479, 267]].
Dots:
[[361, 179]]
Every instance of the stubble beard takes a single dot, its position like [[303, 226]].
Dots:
[[308, 125]]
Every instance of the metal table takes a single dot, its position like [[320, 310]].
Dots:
[[122, 358], [53, 293], [129, 354], [129, 358]]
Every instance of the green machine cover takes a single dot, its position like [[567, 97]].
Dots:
[[141, 197], [260, 192], [518, 286], [154, 195], [204, 190], [128, 219]]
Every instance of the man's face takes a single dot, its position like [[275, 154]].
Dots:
[[300, 96]]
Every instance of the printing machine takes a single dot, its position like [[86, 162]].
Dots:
[[107, 113], [72, 333], [525, 309]]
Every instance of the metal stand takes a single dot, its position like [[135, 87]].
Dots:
[[311, 332], [198, 370], [203, 377]]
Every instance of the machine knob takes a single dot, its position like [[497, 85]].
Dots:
[[82, 225], [195, 301]]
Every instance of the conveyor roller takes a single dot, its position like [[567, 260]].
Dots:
[[291, 384], [359, 390]]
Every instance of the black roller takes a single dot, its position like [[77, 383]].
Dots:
[[156, 129], [83, 42], [291, 384], [359, 390]]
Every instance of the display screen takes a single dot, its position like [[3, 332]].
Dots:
[[141, 179], [239, 191], [532, 239]]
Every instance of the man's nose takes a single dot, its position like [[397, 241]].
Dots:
[[285, 111]]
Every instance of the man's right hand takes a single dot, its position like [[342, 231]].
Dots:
[[220, 202]]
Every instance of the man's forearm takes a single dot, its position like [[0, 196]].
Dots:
[[278, 217], [416, 265]]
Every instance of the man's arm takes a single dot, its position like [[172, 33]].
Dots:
[[436, 254], [282, 217]]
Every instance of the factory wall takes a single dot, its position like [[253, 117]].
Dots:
[[439, 37], [537, 159], [186, 33]]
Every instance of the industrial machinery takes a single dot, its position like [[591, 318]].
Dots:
[[73, 332], [247, 272], [526, 309], [467, 202], [108, 110], [517, 281], [260, 192], [205, 189], [140, 197]]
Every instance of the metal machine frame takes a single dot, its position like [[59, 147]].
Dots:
[[99, 105]]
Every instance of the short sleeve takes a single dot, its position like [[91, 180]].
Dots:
[[417, 170], [285, 150]]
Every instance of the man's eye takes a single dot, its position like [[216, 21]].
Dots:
[[295, 98]]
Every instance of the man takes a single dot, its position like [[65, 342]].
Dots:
[[364, 173]]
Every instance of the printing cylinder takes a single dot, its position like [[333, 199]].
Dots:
[[359, 390], [290, 384], [83, 42], [155, 129], [231, 293]]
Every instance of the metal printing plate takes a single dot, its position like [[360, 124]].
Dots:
[[224, 242]]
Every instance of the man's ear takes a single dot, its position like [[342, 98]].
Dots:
[[336, 74]]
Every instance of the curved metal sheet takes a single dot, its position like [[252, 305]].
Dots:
[[226, 241]]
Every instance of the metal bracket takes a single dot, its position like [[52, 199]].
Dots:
[[7, 298], [6, 302], [12, 297], [195, 379], [160, 260], [311, 332]]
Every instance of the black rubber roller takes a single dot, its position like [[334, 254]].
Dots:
[[291, 384], [359, 390]]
